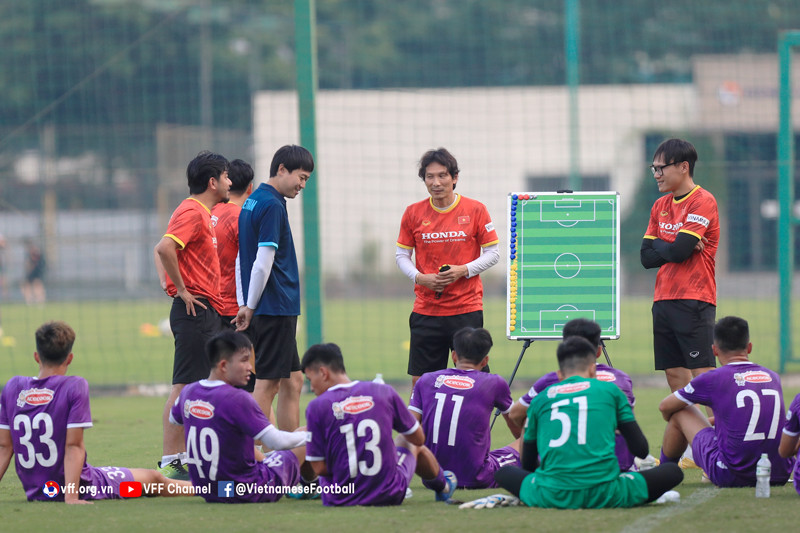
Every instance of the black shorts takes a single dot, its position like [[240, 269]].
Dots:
[[226, 322], [191, 334], [274, 340], [683, 332], [432, 339]]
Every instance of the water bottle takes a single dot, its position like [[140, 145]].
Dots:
[[763, 473], [379, 379]]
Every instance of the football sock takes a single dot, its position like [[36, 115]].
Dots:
[[665, 459], [437, 484]]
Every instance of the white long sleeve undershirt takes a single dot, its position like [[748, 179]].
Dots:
[[262, 267], [489, 257]]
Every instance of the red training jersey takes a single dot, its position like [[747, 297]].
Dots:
[[225, 219], [696, 214], [190, 227], [453, 236]]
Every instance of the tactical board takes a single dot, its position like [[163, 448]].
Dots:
[[563, 262]]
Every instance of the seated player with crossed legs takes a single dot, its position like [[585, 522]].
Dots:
[[42, 420], [350, 427], [590, 331], [455, 408], [572, 424], [747, 400], [221, 423]]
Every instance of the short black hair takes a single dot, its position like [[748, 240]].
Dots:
[[575, 354], [241, 175], [328, 354], [472, 344], [292, 157], [54, 342], [675, 151], [583, 327], [203, 167], [731, 334], [441, 156], [225, 345]]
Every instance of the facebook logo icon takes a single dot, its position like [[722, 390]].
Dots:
[[225, 489]]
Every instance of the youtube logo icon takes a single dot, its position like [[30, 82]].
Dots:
[[130, 489]]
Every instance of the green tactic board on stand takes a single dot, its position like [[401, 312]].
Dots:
[[563, 262]]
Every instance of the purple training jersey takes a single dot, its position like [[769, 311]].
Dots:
[[604, 373], [38, 413], [456, 408], [747, 401], [350, 428], [220, 424], [792, 428]]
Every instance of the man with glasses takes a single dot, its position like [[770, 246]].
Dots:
[[681, 241]]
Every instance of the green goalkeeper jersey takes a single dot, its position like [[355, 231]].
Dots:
[[573, 424]]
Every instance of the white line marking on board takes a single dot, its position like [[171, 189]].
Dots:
[[647, 523], [550, 266]]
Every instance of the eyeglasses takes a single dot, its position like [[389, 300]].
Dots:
[[659, 171]]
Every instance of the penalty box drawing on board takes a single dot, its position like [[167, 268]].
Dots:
[[563, 263]]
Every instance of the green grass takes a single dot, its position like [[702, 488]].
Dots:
[[112, 349], [127, 432]]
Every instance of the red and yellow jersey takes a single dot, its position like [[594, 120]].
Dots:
[[453, 236], [190, 227], [696, 214], [225, 219]]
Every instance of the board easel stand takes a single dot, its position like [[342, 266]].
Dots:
[[525, 346]]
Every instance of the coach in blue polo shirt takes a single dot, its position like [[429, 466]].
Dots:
[[269, 284]]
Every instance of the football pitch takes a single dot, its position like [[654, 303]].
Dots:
[[127, 432], [119, 344]]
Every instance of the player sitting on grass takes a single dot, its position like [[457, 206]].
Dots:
[[590, 331], [572, 424], [42, 419], [350, 437], [455, 408], [790, 440], [747, 401], [221, 422]]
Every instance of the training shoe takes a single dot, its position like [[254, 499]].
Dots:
[[452, 484], [175, 470], [305, 490], [646, 464], [409, 493], [686, 463]]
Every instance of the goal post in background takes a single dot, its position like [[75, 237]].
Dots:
[[786, 193]]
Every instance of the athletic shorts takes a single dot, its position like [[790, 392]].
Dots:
[[279, 469], [226, 322], [191, 335], [105, 482], [707, 456], [624, 455], [629, 489], [432, 339], [683, 332], [796, 477], [406, 464], [274, 339], [495, 460]]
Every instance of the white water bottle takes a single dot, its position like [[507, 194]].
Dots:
[[763, 473], [379, 379]]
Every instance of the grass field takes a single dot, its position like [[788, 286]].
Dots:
[[119, 344], [127, 432]]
